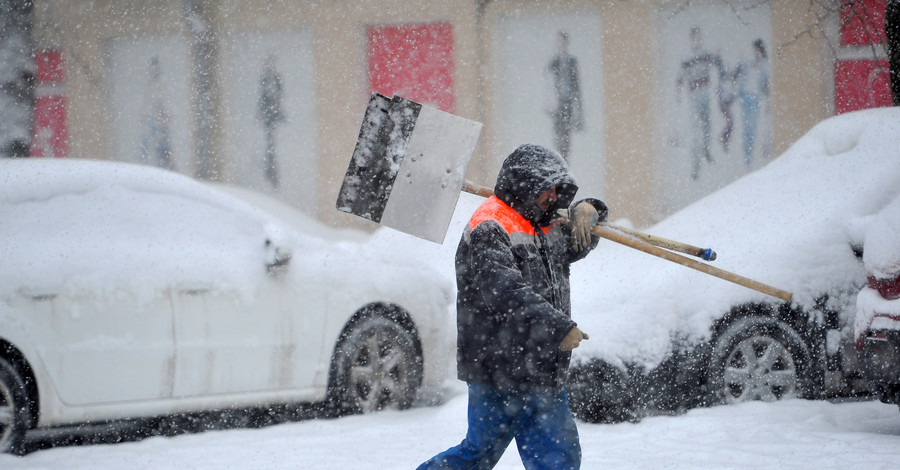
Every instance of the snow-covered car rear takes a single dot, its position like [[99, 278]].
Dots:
[[128, 291], [878, 305], [666, 337]]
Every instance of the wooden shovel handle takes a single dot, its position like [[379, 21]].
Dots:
[[632, 242], [473, 188], [706, 254]]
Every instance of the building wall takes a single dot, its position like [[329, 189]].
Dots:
[[619, 156], [802, 80]]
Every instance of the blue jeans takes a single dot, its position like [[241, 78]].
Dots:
[[541, 423]]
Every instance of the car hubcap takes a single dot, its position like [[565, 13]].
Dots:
[[759, 368], [379, 372], [7, 413]]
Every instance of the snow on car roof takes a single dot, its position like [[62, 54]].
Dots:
[[130, 223], [71, 223], [788, 225]]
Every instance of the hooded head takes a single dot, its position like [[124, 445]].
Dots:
[[528, 172]]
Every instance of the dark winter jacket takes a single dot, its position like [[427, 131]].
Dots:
[[512, 272]]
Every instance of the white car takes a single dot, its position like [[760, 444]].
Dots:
[[878, 305], [129, 291], [663, 336]]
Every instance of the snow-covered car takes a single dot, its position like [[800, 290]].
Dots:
[[665, 337], [878, 305], [128, 291]]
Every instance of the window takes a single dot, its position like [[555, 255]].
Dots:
[[413, 61]]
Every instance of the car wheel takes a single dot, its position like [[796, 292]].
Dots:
[[376, 366], [757, 358], [601, 393], [13, 409]]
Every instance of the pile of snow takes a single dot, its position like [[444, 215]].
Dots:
[[790, 225], [882, 250], [882, 261]]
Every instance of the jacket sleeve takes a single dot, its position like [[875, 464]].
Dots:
[[503, 289]]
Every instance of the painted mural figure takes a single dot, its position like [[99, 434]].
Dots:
[[753, 90], [566, 111], [727, 94], [156, 138], [271, 113], [696, 76]]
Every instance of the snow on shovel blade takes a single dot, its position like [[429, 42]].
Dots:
[[408, 166]]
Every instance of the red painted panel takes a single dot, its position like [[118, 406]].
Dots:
[[413, 61], [862, 22], [51, 136], [861, 84], [49, 67]]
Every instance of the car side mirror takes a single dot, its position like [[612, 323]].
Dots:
[[277, 261], [857, 250]]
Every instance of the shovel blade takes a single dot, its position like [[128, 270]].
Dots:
[[408, 166]]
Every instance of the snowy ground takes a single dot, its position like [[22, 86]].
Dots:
[[795, 434]]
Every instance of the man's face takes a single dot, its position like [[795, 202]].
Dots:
[[544, 201]]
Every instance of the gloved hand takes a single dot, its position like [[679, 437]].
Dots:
[[572, 340], [581, 220]]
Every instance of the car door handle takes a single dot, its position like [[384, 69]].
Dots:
[[36, 295], [198, 289]]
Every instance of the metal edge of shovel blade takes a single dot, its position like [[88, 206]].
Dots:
[[380, 148]]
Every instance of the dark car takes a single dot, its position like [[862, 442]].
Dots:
[[664, 337]]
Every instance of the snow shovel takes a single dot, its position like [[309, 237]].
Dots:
[[409, 167]]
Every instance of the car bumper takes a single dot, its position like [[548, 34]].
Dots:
[[880, 361]]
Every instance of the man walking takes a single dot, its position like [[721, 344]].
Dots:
[[515, 332]]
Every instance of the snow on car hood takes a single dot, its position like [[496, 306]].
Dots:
[[387, 260], [787, 225]]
